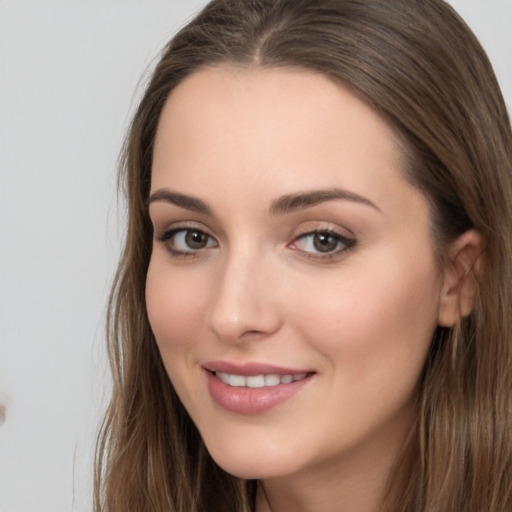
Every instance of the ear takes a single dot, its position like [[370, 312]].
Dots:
[[463, 265]]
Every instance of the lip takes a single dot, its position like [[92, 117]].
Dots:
[[252, 368], [251, 401]]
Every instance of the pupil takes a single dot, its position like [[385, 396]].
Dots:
[[324, 242], [196, 239]]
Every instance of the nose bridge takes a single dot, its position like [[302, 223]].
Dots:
[[243, 302]]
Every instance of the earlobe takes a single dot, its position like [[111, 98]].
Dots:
[[462, 268]]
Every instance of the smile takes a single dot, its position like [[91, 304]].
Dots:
[[258, 381], [251, 389]]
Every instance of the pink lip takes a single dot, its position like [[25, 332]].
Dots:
[[251, 401], [247, 369]]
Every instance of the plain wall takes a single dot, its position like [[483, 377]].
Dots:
[[69, 77]]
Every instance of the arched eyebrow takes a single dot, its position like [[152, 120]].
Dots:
[[182, 200], [301, 200], [284, 204]]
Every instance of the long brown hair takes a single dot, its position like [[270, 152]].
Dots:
[[418, 65]]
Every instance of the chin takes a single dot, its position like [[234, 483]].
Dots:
[[253, 461], [251, 470]]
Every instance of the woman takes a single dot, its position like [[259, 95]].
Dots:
[[312, 311]]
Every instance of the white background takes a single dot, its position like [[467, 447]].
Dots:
[[69, 77]]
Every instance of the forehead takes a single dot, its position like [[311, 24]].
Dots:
[[263, 100], [280, 128]]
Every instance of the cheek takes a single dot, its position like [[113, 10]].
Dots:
[[373, 322], [175, 304]]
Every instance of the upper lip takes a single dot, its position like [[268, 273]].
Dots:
[[251, 368]]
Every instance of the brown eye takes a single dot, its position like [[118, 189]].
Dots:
[[182, 241], [325, 242], [195, 239]]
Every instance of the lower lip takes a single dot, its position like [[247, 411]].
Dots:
[[250, 401]]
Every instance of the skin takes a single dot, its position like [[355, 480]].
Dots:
[[360, 317]]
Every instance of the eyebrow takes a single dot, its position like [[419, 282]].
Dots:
[[282, 205], [301, 200], [181, 200]]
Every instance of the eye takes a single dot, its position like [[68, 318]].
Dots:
[[183, 241], [323, 242]]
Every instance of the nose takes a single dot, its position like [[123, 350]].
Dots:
[[244, 306]]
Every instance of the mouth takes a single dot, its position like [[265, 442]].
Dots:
[[259, 381], [253, 388]]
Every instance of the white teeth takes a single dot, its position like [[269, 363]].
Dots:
[[258, 381], [237, 381], [272, 380], [224, 377]]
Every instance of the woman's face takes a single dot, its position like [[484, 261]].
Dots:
[[292, 289]]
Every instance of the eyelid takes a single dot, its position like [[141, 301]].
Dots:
[[349, 243], [179, 226], [319, 226], [166, 235]]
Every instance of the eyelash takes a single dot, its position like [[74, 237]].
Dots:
[[167, 238], [347, 243]]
